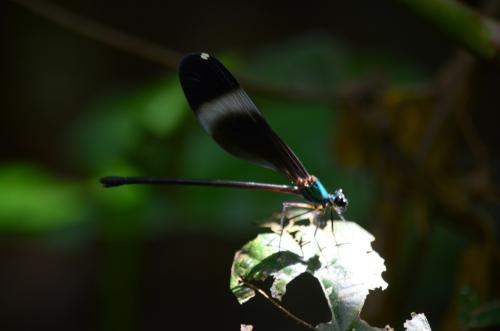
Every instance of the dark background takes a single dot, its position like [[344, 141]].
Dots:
[[406, 123]]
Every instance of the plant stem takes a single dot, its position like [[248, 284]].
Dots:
[[156, 53], [278, 305], [104, 34], [477, 33]]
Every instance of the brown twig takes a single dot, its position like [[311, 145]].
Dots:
[[472, 137], [158, 54], [278, 305], [453, 93], [451, 87], [102, 33], [453, 82]]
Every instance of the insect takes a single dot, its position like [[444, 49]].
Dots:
[[228, 114]]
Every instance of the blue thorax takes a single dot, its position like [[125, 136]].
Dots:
[[316, 193]]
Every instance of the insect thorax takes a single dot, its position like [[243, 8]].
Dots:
[[315, 192]]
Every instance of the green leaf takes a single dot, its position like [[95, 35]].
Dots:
[[357, 325], [418, 322], [342, 261], [476, 315], [115, 127], [105, 137], [162, 107], [321, 62], [34, 201], [485, 315]]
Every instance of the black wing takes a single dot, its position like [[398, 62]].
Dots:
[[232, 119]]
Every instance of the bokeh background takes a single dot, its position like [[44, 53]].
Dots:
[[373, 97]]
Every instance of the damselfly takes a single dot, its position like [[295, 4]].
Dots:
[[228, 114]]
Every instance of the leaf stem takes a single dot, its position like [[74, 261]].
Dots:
[[278, 305], [478, 33]]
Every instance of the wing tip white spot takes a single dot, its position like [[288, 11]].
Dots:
[[204, 56]]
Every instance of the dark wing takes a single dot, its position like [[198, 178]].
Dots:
[[232, 119]]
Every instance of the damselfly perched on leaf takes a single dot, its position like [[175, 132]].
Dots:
[[228, 114]]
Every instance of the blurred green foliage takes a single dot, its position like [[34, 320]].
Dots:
[[116, 126], [411, 144], [475, 314], [149, 131], [34, 201], [318, 61]]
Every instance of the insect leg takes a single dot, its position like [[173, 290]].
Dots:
[[287, 205], [331, 220]]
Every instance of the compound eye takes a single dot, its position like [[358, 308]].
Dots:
[[341, 202]]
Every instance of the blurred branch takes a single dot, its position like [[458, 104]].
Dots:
[[155, 53], [104, 34], [472, 138], [451, 91], [478, 33]]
